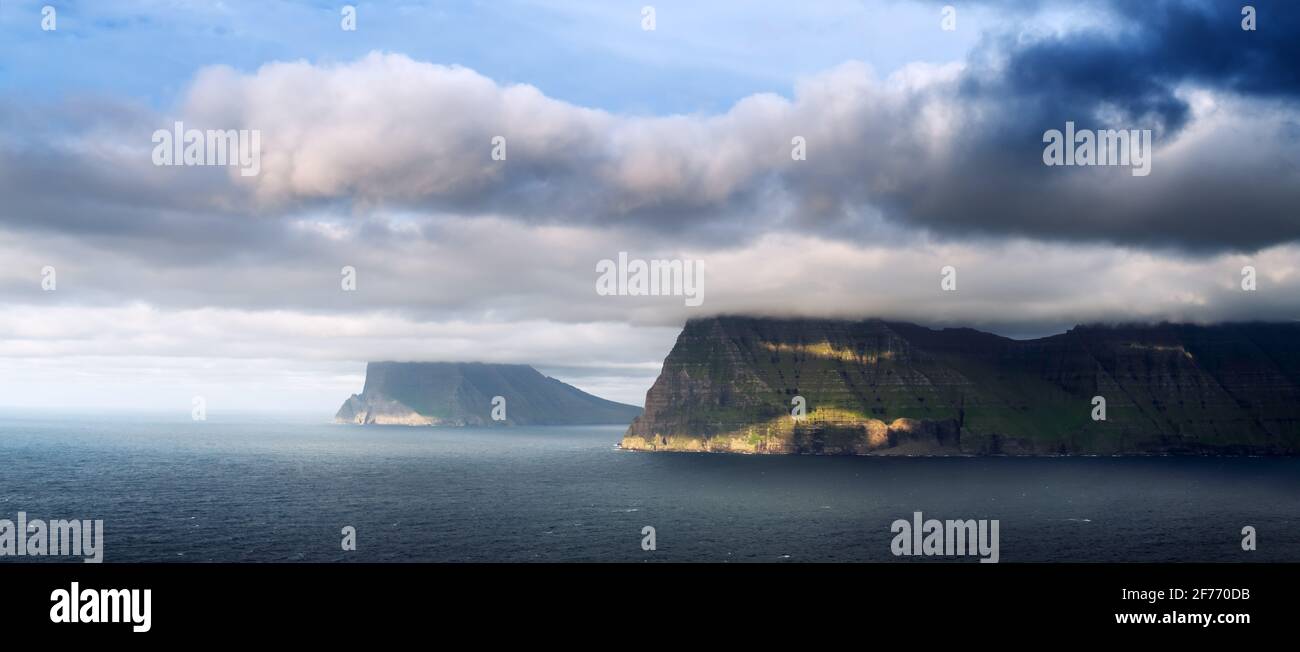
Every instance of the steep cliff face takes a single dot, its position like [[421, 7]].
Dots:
[[461, 394], [875, 387]]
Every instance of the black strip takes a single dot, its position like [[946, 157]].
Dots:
[[321, 600]]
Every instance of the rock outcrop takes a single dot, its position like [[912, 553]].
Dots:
[[876, 387], [462, 393]]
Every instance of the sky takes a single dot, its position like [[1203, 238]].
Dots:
[[922, 128]]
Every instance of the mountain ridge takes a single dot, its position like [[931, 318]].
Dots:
[[884, 387]]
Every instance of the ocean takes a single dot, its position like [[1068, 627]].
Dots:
[[274, 489]]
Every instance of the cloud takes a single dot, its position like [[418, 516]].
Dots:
[[499, 272], [234, 335], [140, 356], [953, 149], [383, 163], [1221, 101]]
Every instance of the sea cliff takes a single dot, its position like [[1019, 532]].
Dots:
[[874, 387], [463, 393]]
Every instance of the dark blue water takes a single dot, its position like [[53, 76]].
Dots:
[[268, 490]]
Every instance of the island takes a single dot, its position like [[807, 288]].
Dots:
[[472, 394], [872, 387]]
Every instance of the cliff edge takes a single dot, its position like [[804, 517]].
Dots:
[[881, 388]]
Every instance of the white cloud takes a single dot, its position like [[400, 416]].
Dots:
[[169, 280], [609, 345]]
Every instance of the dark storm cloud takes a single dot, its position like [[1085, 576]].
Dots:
[[952, 151], [1204, 42], [1231, 190]]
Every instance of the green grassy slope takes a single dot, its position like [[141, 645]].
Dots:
[[729, 381]]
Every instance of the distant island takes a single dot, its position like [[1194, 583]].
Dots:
[[879, 388], [466, 394]]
